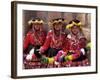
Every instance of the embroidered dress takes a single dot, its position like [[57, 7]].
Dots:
[[75, 44], [33, 39], [54, 43]]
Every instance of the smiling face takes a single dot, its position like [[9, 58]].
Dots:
[[58, 26], [36, 26], [75, 30]]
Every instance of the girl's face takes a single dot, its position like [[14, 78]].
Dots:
[[75, 30], [36, 26], [57, 26]]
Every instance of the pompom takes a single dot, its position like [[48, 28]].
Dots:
[[66, 58], [51, 60], [88, 45], [31, 51], [29, 57], [70, 57], [69, 36], [83, 51], [56, 63], [44, 59]]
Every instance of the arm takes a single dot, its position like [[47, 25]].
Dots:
[[42, 37], [28, 40], [46, 43]]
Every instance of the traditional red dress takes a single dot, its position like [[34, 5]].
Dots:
[[75, 44], [35, 39], [54, 42]]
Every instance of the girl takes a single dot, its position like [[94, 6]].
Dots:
[[76, 42], [55, 38], [34, 38]]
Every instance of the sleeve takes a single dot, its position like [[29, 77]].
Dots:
[[28, 40], [43, 37], [46, 43]]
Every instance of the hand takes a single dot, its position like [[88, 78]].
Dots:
[[41, 50], [31, 51]]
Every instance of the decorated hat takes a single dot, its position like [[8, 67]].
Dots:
[[36, 21], [74, 23], [55, 21]]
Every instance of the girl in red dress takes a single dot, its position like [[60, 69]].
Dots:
[[34, 38], [55, 38], [76, 42]]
